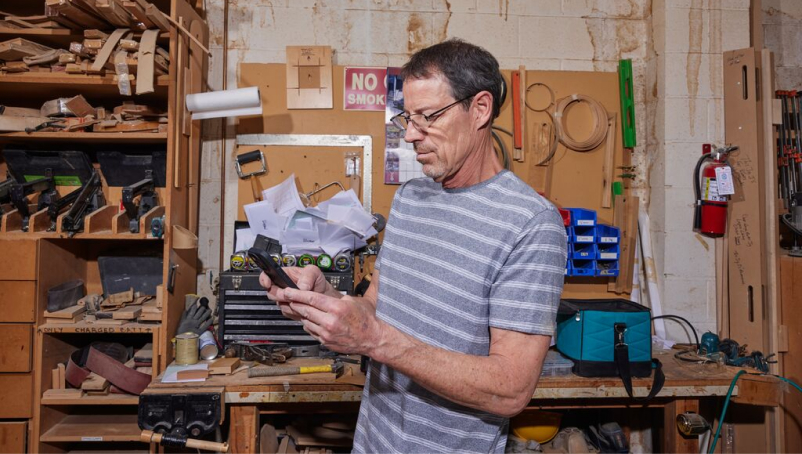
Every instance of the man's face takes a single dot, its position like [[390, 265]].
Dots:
[[443, 147]]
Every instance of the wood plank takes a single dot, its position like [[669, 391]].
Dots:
[[244, 428], [224, 366], [94, 382], [127, 313], [759, 390], [15, 353], [673, 440], [17, 301], [67, 313]]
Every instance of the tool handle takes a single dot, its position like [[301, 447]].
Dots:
[[249, 157], [148, 436], [273, 371]]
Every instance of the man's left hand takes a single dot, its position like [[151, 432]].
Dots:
[[345, 325]]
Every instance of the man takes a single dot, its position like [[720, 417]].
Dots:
[[463, 301]]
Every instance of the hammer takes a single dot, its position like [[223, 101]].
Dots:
[[274, 371]]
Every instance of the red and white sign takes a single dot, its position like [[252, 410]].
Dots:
[[365, 89]]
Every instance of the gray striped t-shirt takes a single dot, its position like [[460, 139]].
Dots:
[[453, 264]]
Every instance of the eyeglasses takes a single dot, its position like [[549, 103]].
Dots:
[[403, 120]]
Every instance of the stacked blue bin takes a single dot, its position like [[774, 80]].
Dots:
[[593, 249]]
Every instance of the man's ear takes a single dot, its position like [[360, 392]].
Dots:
[[483, 108]]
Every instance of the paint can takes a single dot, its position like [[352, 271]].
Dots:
[[186, 349]]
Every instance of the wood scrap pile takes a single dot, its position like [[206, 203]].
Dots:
[[83, 14], [77, 115], [129, 56], [117, 309]]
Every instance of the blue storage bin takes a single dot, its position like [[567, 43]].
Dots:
[[607, 268], [583, 235], [584, 251], [607, 234], [583, 267], [582, 217], [608, 251]]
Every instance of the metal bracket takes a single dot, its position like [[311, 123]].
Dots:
[[315, 140]]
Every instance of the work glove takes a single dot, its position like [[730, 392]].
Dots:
[[196, 319]]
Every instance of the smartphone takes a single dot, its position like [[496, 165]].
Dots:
[[271, 268]]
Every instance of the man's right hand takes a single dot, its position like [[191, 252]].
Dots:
[[308, 278]]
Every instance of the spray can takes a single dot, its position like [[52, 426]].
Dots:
[[208, 346]]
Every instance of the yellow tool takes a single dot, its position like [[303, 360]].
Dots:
[[275, 371]]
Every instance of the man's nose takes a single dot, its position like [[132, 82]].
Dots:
[[412, 134]]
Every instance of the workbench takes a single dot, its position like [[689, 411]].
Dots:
[[246, 398]]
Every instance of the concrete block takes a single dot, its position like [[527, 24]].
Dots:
[[400, 32], [715, 121], [214, 78], [659, 26], [502, 42], [679, 30], [549, 38], [362, 59], [211, 154], [401, 5], [681, 158], [788, 76], [783, 40], [686, 120], [343, 30], [209, 248], [679, 208], [539, 64], [577, 65], [657, 208], [703, 82], [332, 4], [520, 7], [734, 30], [455, 6], [270, 27], [688, 298], [735, 4], [689, 255]]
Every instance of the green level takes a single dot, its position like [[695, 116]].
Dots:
[[66, 180], [625, 86]]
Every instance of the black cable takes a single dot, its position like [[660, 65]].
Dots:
[[695, 334]]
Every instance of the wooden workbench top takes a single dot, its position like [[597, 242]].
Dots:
[[683, 379]]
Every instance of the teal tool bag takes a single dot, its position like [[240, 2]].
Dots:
[[609, 338]]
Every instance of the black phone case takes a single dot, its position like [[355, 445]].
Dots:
[[273, 271]]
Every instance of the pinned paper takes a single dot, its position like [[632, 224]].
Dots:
[[225, 103], [335, 225]]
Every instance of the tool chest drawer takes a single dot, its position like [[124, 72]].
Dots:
[[20, 260], [16, 392], [15, 350], [13, 435], [17, 301]]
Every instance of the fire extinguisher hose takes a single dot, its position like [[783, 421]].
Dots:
[[697, 189]]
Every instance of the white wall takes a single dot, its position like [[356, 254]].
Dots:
[[675, 46]]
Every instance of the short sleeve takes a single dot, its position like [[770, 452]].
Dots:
[[526, 292], [393, 208]]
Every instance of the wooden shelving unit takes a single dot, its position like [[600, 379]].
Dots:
[[86, 137], [47, 258]]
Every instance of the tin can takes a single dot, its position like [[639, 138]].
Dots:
[[186, 349], [208, 346]]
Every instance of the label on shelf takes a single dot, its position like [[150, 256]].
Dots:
[[587, 222], [609, 239], [585, 238], [91, 438]]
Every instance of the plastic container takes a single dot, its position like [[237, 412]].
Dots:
[[556, 365], [581, 217], [582, 251], [607, 234], [607, 268], [607, 251], [583, 235], [583, 267]]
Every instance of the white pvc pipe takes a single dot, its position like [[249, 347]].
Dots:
[[635, 296], [651, 273]]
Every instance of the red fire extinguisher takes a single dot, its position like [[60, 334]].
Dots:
[[710, 216]]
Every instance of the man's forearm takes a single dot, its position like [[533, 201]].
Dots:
[[489, 383]]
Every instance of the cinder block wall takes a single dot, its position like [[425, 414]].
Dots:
[[675, 46]]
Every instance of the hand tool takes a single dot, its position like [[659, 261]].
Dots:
[[245, 158], [19, 196], [336, 368], [267, 354], [144, 188], [88, 199]]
